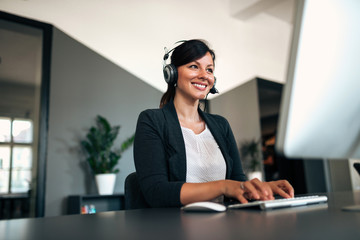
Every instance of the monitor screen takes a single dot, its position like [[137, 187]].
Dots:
[[320, 109]]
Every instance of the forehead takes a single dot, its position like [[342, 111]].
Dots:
[[206, 59]]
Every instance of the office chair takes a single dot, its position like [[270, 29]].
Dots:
[[134, 198]]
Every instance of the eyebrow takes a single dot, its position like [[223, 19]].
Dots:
[[209, 65]]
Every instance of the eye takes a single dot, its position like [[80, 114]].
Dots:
[[193, 66], [210, 70]]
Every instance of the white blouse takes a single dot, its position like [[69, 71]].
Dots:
[[204, 160]]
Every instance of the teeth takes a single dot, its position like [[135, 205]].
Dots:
[[200, 85]]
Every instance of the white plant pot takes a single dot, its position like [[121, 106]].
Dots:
[[256, 174], [105, 183]]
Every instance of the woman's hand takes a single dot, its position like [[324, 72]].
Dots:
[[263, 189], [282, 187], [257, 190], [242, 191], [253, 189]]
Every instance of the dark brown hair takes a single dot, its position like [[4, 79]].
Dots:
[[186, 52]]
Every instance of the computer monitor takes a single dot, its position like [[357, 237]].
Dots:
[[320, 109]]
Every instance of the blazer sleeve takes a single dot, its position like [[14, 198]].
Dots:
[[151, 161]]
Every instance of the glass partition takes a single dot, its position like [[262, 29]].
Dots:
[[24, 80]]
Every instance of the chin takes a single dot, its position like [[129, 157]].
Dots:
[[201, 97]]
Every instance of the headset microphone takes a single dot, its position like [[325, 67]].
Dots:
[[213, 90]]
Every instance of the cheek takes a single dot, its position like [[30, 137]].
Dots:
[[185, 78], [187, 75], [212, 82], [181, 80]]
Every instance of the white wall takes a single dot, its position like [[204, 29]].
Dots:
[[133, 34], [240, 107]]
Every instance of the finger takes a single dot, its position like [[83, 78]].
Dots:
[[286, 187], [282, 193], [263, 187], [289, 188], [262, 197], [250, 189], [241, 198]]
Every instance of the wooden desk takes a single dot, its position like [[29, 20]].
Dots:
[[326, 221]]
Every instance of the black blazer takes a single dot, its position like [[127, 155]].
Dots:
[[160, 158]]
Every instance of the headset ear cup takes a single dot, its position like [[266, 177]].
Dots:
[[170, 74]]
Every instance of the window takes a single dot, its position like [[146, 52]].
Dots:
[[16, 156]]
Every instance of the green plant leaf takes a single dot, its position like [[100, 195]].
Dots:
[[251, 155], [99, 145], [103, 124]]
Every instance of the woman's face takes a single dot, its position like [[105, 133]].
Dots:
[[195, 79]]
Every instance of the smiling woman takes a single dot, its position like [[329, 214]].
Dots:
[[194, 51], [196, 78], [184, 155]]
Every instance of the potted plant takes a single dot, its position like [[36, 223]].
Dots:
[[101, 155], [251, 157]]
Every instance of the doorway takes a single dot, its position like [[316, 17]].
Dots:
[[24, 88]]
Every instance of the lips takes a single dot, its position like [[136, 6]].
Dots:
[[200, 86]]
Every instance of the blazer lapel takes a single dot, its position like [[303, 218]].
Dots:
[[176, 145]]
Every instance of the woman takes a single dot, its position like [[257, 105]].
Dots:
[[183, 155]]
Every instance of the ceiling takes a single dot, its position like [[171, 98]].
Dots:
[[20, 45]]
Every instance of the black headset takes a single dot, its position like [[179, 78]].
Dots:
[[171, 73]]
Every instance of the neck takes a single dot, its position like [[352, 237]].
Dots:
[[187, 110]]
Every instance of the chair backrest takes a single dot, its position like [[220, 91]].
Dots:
[[134, 199]]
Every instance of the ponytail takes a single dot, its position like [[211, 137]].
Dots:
[[168, 96]]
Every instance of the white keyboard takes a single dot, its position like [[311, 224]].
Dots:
[[281, 203]]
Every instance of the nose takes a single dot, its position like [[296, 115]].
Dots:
[[205, 75]]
